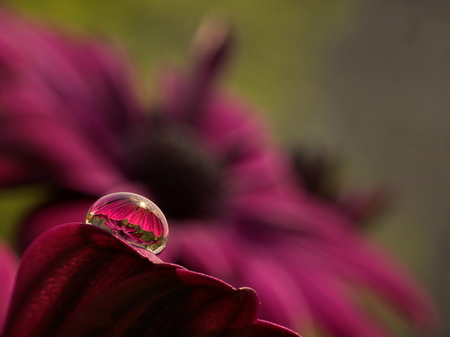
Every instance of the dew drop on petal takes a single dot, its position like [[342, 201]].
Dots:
[[132, 218]]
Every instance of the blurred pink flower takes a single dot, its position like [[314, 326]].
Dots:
[[78, 280], [8, 267], [235, 210]]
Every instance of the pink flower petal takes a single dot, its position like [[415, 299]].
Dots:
[[53, 87], [71, 161], [284, 304], [53, 213], [360, 261], [330, 299], [215, 251]]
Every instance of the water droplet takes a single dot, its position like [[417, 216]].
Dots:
[[131, 218]]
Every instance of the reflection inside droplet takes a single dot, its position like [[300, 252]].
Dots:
[[131, 218]]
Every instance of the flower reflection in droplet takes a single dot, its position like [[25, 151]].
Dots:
[[132, 218]]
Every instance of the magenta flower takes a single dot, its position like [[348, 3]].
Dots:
[[230, 195], [78, 280]]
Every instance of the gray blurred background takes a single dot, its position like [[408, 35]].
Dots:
[[387, 104]]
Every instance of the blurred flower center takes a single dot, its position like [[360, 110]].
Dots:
[[183, 178]]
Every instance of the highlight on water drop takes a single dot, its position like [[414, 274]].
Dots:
[[132, 218]]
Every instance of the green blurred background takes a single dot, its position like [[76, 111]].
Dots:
[[366, 80]]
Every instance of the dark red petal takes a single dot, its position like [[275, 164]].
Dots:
[[78, 280], [168, 303], [65, 269]]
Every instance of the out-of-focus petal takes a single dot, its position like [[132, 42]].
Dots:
[[214, 251], [360, 261], [12, 171], [364, 205], [284, 304], [330, 297], [54, 92], [225, 124], [285, 211], [90, 78], [330, 271], [55, 212], [8, 267], [57, 153], [260, 169]]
